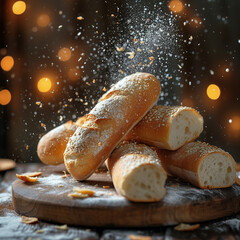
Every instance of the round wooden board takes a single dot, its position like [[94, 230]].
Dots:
[[48, 200]]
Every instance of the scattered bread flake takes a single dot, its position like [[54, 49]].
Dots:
[[104, 89], [139, 49], [26, 178], [119, 49], [131, 54], [186, 227], [81, 193], [80, 18], [40, 231], [191, 38], [142, 42], [62, 227], [43, 125], [112, 15], [84, 191], [151, 58], [99, 144], [29, 220], [60, 185], [39, 104], [29, 177], [94, 81], [77, 195], [138, 237], [27, 147], [106, 187], [121, 71]]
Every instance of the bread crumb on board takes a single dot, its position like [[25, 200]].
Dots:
[[29, 177], [40, 231], [29, 220], [186, 227], [62, 227], [138, 237], [81, 193]]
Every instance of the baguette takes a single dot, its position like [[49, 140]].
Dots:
[[137, 173], [116, 113], [201, 164], [163, 126], [52, 145], [168, 127]]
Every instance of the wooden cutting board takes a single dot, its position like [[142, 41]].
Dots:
[[48, 200]]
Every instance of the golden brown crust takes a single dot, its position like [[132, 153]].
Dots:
[[154, 128], [110, 120], [185, 162], [52, 145]]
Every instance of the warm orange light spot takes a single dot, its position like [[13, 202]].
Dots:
[[44, 85], [176, 6], [7, 63], [43, 20], [235, 123], [19, 7], [64, 54], [5, 97], [74, 74], [213, 92]]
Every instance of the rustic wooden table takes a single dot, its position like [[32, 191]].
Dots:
[[11, 226]]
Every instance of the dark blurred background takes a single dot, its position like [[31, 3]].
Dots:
[[58, 57]]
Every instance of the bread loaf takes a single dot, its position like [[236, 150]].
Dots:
[[201, 164], [168, 127], [52, 145], [137, 173], [116, 113]]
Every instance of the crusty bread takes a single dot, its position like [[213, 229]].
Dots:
[[116, 113], [201, 164], [52, 145], [168, 127], [137, 173]]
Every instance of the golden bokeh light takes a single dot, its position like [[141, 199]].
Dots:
[[7, 63], [64, 54], [176, 6], [74, 74], [235, 123], [19, 7], [43, 20], [44, 85], [5, 97], [213, 92]]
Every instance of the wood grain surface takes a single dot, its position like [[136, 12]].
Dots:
[[48, 200]]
